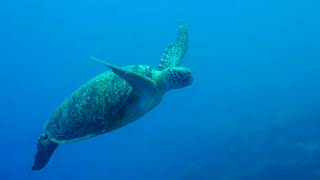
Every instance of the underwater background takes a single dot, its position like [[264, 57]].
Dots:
[[252, 112]]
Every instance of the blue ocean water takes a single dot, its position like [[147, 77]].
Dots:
[[252, 112]]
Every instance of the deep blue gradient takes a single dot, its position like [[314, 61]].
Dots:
[[252, 112]]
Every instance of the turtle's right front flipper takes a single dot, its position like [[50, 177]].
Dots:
[[45, 149], [139, 83]]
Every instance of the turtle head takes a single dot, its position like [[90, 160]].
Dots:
[[178, 77]]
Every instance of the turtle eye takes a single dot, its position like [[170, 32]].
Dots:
[[180, 74]]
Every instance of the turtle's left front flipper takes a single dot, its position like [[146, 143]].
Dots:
[[45, 149], [174, 53]]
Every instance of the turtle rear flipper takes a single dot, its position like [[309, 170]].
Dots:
[[45, 149]]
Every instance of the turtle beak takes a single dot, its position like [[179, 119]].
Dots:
[[186, 80]]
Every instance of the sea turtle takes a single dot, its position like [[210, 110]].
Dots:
[[114, 99]]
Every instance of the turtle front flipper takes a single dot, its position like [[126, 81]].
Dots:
[[140, 84], [174, 53], [45, 149]]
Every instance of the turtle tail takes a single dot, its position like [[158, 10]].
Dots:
[[45, 149]]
